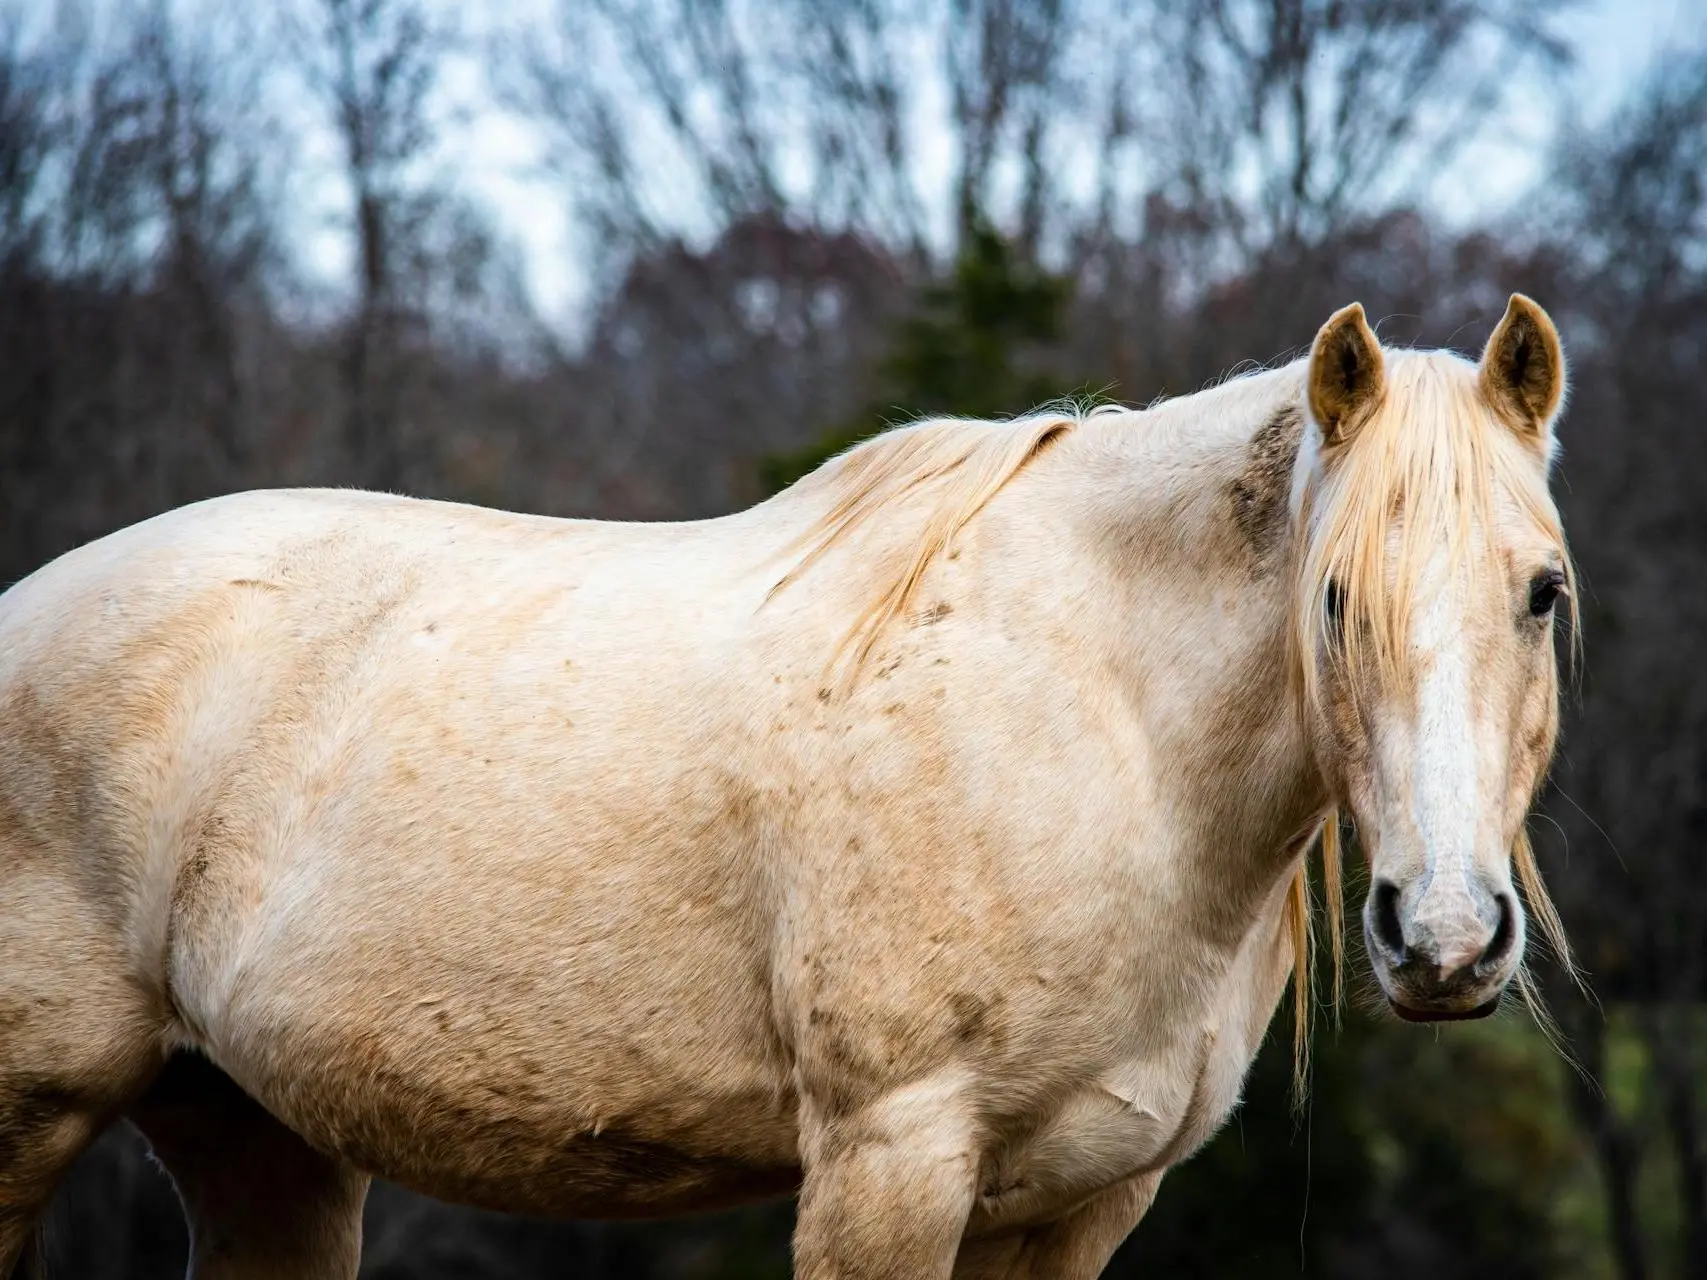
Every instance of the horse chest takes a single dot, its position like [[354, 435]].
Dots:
[[1144, 1113], [1140, 1117]]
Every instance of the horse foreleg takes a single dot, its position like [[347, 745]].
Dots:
[[262, 1204], [79, 1036], [887, 1189], [39, 1138], [1076, 1247]]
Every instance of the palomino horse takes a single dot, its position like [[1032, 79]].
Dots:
[[927, 838]]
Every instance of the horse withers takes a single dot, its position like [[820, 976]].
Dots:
[[928, 838]]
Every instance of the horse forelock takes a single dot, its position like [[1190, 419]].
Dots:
[[1430, 460]]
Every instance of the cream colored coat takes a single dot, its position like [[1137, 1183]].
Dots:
[[543, 865]]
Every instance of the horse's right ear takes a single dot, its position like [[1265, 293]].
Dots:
[[1347, 374]]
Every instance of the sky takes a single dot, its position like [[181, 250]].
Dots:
[[495, 157]]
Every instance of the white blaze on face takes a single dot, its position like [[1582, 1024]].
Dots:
[[1444, 799]]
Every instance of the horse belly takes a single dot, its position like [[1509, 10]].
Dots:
[[487, 1039], [521, 1125], [550, 1163]]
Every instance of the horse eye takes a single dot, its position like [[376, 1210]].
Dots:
[[1544, 591], [1335, 605]]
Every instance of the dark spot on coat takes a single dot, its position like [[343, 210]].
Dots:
[[971, 1016], [1261, 495]]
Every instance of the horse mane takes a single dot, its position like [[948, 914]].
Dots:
[[961, 463], [1428, 454]]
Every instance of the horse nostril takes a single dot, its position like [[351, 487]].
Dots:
[[1388, 931], [1505, 933]]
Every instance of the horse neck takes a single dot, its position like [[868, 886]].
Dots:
[[1184, 513]]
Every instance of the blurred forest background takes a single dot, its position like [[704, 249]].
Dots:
[[240, 246]]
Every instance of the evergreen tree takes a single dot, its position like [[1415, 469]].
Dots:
[[973, 349]]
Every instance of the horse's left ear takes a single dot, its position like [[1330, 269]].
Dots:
[[1523, 369]]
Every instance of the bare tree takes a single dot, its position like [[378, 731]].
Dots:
[[136, 238], [375, 64], [30, 134], [809, 110], [1287, 119], [205, 141], [1277, 121]]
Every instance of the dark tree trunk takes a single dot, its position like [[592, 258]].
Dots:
[[1615, 1149], [1671, 1048]]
